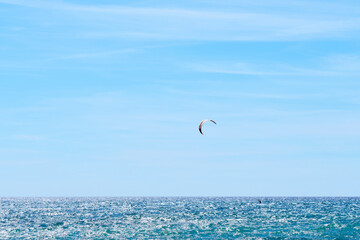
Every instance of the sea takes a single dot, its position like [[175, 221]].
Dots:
[[180, 218]]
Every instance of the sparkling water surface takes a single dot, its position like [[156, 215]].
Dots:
[[179, 218]]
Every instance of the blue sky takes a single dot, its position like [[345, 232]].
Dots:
[[103, 98]]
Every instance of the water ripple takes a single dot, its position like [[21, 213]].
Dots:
[[154, 218]]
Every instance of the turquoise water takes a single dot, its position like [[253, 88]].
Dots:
[[174, 218]]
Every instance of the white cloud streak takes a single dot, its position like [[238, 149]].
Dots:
[[341, 65], [96, 54], [18, 163], [27, 137], [246, 95], [240, 24]]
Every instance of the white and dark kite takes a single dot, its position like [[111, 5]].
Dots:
[[202, 122]]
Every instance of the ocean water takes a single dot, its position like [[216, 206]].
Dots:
[[180, 218]]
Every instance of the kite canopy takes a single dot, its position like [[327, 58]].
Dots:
[[202, 122]]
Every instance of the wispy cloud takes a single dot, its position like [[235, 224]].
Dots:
[[339, 65], [96, 54], [17, 163], [240, 24], [27, 137], [343, 63], [237, 94]]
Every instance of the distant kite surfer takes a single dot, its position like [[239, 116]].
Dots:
[[202, 122], [259, 200]]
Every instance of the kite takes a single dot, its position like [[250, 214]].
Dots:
[[202, 122]]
